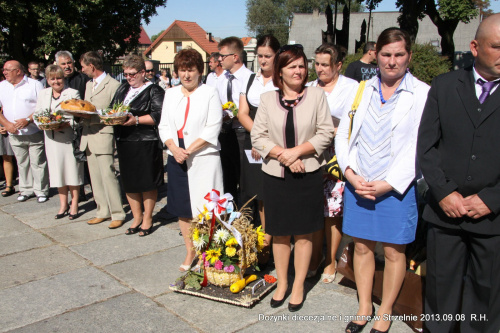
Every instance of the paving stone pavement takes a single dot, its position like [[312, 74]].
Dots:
[[67, 276]]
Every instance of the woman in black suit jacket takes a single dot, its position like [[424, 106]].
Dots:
[[139, 149]]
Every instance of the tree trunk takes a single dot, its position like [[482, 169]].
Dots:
[[411, 12]]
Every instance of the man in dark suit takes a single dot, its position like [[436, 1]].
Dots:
[[459, 153]]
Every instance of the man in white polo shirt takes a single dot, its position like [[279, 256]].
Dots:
[[18, 96]]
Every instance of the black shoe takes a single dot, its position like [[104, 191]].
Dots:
[[352, 327], [9, 190], [146, 232], [73, 216], [377, 331], [131, 231], [63, 214], [276, 304], [295, 307]]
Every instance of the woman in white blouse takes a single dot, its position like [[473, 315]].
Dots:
[[257, 84], [338, 90], [190, 125]]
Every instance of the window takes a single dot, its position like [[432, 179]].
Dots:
[[178, 46]]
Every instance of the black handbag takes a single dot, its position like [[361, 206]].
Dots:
[[77, 137]]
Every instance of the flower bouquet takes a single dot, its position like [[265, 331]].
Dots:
[[48, 121], [230, 109], [225, 240], [116, 115]]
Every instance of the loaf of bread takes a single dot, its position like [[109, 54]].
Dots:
[[77, 105]]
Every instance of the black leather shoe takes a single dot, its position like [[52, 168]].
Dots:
[[377, 331], [277, 304], [352, 327], [295, 307]]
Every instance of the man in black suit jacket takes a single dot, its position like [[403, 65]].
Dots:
[[459, 153]]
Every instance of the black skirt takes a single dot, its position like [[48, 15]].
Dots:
[[141, 165], [251, 175], [178, 199], [294, 204]]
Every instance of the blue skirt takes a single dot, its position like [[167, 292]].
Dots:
[[391, 218]]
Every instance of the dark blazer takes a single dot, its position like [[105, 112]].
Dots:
[[148, 102], [459, 149]]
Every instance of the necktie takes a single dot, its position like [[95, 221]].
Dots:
[[230, 88], [487, 86], [94, 84]]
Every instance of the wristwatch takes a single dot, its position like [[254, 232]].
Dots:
[[28, 120]]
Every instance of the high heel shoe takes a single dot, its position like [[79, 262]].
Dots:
[[146, 232], [63, 214], [73, 216], [352, 327], [373, 330], [295, 307], [276, 304], [131, 231]]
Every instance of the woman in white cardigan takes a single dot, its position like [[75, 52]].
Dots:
[[190, 124], [379, 163], [65, 172]]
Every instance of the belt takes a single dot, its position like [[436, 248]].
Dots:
[[240, 130]]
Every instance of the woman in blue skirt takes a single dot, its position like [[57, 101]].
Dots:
[[379, 163]]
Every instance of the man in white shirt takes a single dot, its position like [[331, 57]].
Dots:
[[98, 143], [18, 96], [232, 134], [216, 69]]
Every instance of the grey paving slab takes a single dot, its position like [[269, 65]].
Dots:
[[129, 313], [11, 226], [42, 299], [78, 232], [151, 274], [122, 247], [37, 264], [22, 242], [212, 316], [35, 214]]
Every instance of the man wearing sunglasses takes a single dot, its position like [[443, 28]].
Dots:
[[150, 72]]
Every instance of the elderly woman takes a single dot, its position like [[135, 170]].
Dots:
[[190, 124], [379, 163], [137, 140], [339, 94], [65, 172], [7, 157], [291, 130], [259, 83]]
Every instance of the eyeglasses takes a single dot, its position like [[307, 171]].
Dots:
[[149, 70], [224, 56], [285, 48], [131, 75], [9, 70]]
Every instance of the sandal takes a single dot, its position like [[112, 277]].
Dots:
[[73, 216], [146, 232], [9, 190], [131, 231]]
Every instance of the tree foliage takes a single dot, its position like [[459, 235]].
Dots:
[[273, 16], [34, 30], [153, 38]]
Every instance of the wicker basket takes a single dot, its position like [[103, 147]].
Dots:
[[113, 120], [222, 279], [50, 126]]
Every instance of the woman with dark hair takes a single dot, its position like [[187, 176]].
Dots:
[[257, 84], [338, 91], [190, 124], [8, 159], [139, 150], [65, 172], [378, 160], [291, 130]]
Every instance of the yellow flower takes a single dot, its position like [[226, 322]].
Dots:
[[230, 251], [213, 255], [196, 234], [232, 242], [260, 237]]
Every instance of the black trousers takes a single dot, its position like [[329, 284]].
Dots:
[[463, 281], [230, 160]]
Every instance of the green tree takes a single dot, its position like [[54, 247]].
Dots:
[[445, 14], [273, 16], [153, 38], [32, 30]]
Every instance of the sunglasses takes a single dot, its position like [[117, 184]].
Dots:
[[132, 75], [149, 70], [285, 48]]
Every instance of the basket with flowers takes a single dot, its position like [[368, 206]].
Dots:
[[116, 115], [225, 240], [230, 109], [47, 121]]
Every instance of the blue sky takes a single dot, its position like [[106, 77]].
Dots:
[[224, 18]]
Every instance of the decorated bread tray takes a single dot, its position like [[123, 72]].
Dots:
[[117, 115], [78, 106], [49, 121]]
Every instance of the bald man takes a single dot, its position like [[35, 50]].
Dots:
[[18, 97], [459, 153]]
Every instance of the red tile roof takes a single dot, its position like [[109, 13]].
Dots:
[[144, 38], [246, 40], [194, 31]]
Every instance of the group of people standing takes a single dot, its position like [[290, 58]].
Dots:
[[384, 131]]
